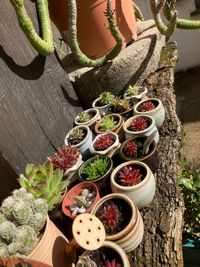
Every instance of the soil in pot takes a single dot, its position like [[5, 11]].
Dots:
[[76, 136], [139, 124], [103, 254], [115, 215], [130, 175], [147, 106]]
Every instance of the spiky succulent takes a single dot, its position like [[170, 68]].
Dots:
[[65, 158], [27, 217], [138, 124], [76, 136], [109, 216], [105, 98], [107, 124], [132, 91], [96, 169], [146, 106], [112, 264], [104, 141], [120, 105], [83, 117], [130, 149], [130, 176], [43, 182]]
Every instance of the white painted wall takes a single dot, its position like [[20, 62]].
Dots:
[[188, 40]]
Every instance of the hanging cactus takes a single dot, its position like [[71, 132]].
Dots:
[[7, 207]]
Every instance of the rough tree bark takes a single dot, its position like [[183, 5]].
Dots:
[[163, 220]]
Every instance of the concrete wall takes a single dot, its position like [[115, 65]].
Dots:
[[188, 40]]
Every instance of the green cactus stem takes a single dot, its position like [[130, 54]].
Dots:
[[7, 230], [185, 24], [73, 42], [165, 30], [138, 13], [22, 212], [43, 46]]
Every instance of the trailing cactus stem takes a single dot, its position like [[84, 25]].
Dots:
[[138, 12], [185, 24], [43, 46], [73, 42], [165, 30]]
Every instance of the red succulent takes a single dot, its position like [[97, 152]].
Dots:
[[65, 158], [112, 264], [138, 124], [130, 149], [104, 141], [147, 106], [130, 176], [109, 216]]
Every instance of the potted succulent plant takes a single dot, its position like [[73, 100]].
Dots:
[[109, 255], [80, 199], [96, 169], [135, 93], [23, 219], [105, 144], [68, 159], [21, 262], [81, 137], [43, 182], [88, 117], [140, 125], [134, 149], [102, 102], [121, 219], [135, 180], [121, 106], [109, 123], [152, 107]]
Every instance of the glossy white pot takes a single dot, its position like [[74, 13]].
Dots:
[[92, 121]]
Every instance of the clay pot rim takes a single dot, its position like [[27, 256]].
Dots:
[[88, 161], [98, 107], [84, 140], [104, 152], [124, 112], [117, 249], [86, 184], [132, 187], [75, 166], [151, 111], [89, 121], [113, 129], [139, 96], [133, 218], [128, 122], [137, 159]]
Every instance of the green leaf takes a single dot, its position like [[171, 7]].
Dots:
[[23, 181], [196, 179], [187, 184], [28, 169]]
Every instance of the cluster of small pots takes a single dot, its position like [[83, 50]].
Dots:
[[108, 146]]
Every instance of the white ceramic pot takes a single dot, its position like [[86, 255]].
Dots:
[[131, 236], [84, 145], [109, 149], [143, 193], [116, 248], [158, 113], [148, 131], [103, 110], [138, 97], [71, 170], [92, 121]]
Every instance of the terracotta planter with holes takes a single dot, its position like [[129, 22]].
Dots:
[[94, 38]]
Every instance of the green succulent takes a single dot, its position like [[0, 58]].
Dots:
[[43, 182], [132, 91], [107, 124], [76, 136], [105, 98], [83, 117], [96, 169], [120, 105], [20, 234]]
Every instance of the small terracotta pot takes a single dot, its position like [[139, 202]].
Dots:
[[131, 236], [109, 149], [141, 194], [90, 123], [146, 132], [158, 113], [94, 38], [117, 129], [10, 262], [84, 144], [101, 181], [76, 191], [116, 248], [151, 159]]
